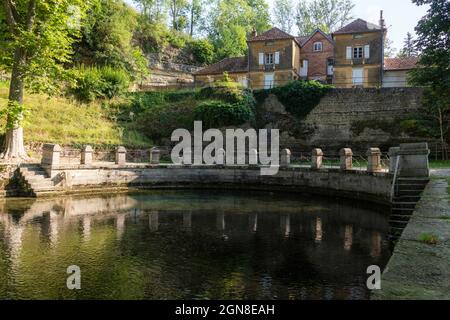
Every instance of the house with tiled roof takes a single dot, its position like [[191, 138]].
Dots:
[[236, 67], [359, 54], [396, 71]]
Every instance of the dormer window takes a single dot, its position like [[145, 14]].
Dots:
[[317, 46]]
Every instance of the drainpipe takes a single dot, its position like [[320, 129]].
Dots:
[[382, 48]]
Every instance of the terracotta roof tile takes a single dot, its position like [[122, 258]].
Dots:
[[272, 34], [400, 63], [359, 25], [236, 64]]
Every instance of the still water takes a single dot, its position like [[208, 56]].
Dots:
[[190, 245]]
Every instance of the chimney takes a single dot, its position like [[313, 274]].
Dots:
[[254, 33], [381, 20]]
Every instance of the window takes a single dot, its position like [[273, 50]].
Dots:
[[357, 52], [269, 58], [317, 46]]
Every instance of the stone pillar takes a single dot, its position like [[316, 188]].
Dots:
[[220, 157], [373, 160], [121, 154], [285, 158], [86, 155], [155, 155], [316, 159], [414, 160], [51, 154], [253, 157], [393, 158], [346, 159]]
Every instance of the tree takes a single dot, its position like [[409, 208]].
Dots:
[[283, 15], [327, 15], [389, 50], [433, 41], [42, 33], [409, 49], [154, 10], [177, 13], [195, 12], [231, 21]]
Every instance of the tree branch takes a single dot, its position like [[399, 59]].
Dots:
[[12, 23], [31, 14]]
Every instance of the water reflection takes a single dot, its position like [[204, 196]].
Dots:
[[215, 245]]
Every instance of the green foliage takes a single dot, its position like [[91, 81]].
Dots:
[[389, 126], [15, 113], [417, 127], [298, 97], [429, 238], [216, 114], [328, 15], [98, 83], [202, 50]]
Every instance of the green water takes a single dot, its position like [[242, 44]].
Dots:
[[190, 245]]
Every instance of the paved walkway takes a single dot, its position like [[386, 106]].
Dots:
[[417, 270]]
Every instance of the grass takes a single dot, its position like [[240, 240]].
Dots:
[[429, 238], [439, 164], [59, 120]]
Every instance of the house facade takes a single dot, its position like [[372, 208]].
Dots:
[[359, 55], [353, 56], [396, 71]]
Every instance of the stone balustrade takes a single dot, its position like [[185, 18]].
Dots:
[[412, 158]]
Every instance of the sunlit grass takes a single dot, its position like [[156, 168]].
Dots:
[[439, 164], [59, 120]]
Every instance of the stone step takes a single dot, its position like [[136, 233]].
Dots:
[[425, 180], [39, 185], [414, 199], [409, 186], [408, 193], [406, 205], [400, 217], [398, 223]]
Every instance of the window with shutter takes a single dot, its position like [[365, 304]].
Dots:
[[349, 53], [367, 51], [277, 57], [261, 58]]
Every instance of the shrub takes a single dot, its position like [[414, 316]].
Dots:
[[298, 97], [429, 238], [93, 83], [202, 50], [215, 114]]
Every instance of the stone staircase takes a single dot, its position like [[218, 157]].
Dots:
[[35, 180], [407, 194]]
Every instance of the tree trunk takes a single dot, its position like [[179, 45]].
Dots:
[[441, 128], [13, 147]]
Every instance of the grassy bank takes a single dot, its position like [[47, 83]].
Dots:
[[62, 121]]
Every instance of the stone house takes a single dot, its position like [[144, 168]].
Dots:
[[359, 54], [396, 71]]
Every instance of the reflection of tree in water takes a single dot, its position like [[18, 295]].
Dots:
[[159, 249]]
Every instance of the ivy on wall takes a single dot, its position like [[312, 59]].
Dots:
[[298, 97]]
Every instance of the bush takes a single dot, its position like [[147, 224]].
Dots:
[[216, 114], [98, 83], [202, 50], [298, 97]]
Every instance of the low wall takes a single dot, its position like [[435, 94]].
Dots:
[[352, 184]]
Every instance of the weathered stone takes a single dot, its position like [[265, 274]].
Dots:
[[346, 158], [373, 160], [253, 157], [155, 155], [86, 155], [414, 160], [121, 154], [316, 158], [393, 158], [51, 154], [220, 157], [285, 158]]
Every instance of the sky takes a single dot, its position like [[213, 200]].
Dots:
[[401, 16]]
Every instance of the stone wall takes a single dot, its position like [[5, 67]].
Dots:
[[360, 118], [355, 184]]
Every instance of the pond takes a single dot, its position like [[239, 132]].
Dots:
[[190, 244]]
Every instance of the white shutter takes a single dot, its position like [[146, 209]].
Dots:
[[277, 57], [349, 53], [367, 51], [261, 58]]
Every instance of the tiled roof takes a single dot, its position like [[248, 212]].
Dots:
[[272, 34], [303, 40], [359, 25], [400, 63], [236, 64]]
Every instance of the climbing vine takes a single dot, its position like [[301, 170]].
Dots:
[[15, 114]]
